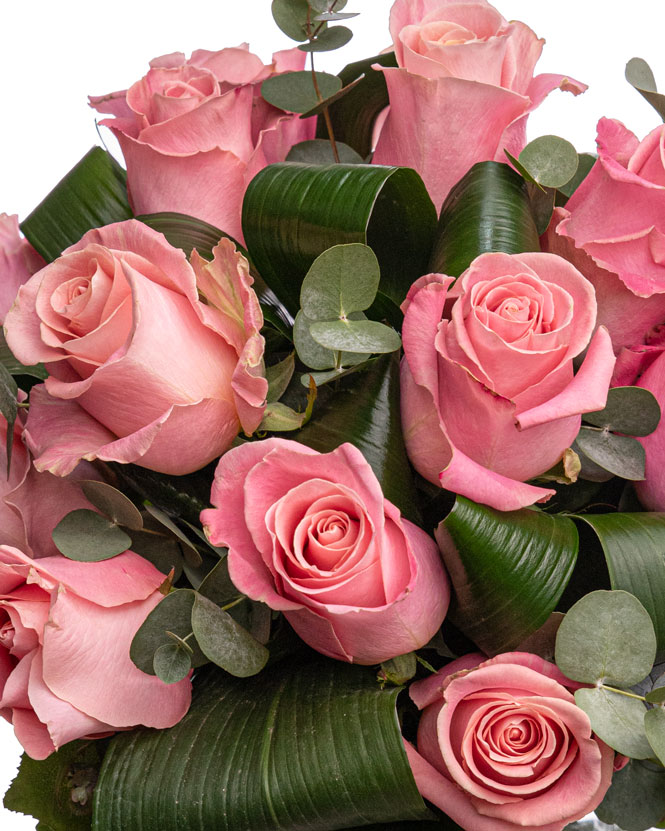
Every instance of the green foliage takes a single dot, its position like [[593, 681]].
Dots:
[[654, 727], [8, 408], [89, 537], [171, 662], [291, 17], [616, 719], [619, 455], [640, 76], [399, 670], [15, 367], [328, 39], [113, 504], [319, 151], [549, 161], [636, 798], [631, 410], [295, 91], [585, 161]]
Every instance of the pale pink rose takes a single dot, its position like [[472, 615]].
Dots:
[[613, 230], [462, 90], [18, 261], [65, 632], [140, 368], [195, 131], [312, 535], [502, 745], [489, 397]]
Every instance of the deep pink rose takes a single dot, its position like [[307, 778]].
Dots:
[[312, 535], [195, 132], [65, 632], [489, 398], [613, 230], [141, 369], [462, 90], [18, 261], [502, 745], [33, 503]]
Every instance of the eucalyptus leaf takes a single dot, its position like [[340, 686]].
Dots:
[[172, 614], [315, 356], [169, 524], [399, 670], [654, 726], [329, 16], [657, 693], [171, 663], [341, 280], [585, 161], [551, 160], [159, 548], [295, 91], [606, 636], [323, 6], [112, 503], [361, 336], [635, 800], [321, 378], [616, 719], [218, 586], [621, 455], [630, 410], [640, 76], [224, 642], [89, 537], [328, 39], [319, 151], [291, 17], [327, 102]]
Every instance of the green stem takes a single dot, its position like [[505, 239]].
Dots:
[[623, 692], [233, 603]]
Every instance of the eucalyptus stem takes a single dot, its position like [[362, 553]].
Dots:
[[623, 692], [326, 115]]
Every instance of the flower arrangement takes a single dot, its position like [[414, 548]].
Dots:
[[333, 490]]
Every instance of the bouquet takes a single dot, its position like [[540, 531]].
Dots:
[[333, 483]]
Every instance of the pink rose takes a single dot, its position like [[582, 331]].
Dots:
[[462, 90], [312, 535], [652, 490], [195, 132], [489, 398], [613, 230], [18, 261], [502, 745], [65, 632], [33, 503], [141, 369]]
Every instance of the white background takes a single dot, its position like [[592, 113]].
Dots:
[[54, 54]]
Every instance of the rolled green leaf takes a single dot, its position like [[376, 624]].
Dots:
[[487, 210], [310, 746], [294, 212]]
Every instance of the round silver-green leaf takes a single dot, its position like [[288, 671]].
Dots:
[[171, 663], [616, 719], [551, 161], [89, 537]]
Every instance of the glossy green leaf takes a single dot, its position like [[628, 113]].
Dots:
[[224, 642], [319, 151], [620, 455], [293, 212], [508, 570], [14, 366], [361, 336], [542, 202], [487, 210], [630, 410], [9, 409], [606, 636], [365, 411], [640, 76], [329, 39], [315, 356], [616, 719], [353, 117], [341, 280], [89, 537], [171, 663], [550, 160], [654, 726], [585, 162], [636, 798], [172, 614], [295, 91], [112, 503], [314, 746], [291, 17], [92, 194], [58, 791], [634, 548]]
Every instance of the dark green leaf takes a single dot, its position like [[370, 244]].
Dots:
[[640, 76], [89, 537], [606, 636], [328, 39], [58, 791], [621, 455], [313, 746], [508, 570], [634, 548], [291, 17], [616, 719], [399, 670], [159, 548], [169, 524], [187, 232], [319, 151], [630, 410], [550, 160], [293, 212], [341, 280], [321, 378], [636, 798], [295, 91], [217, 586], [323, 6], [487, 210], [543, 641], [173, 614], [279, 375], [654, 726], [15, 367], [585, 162], [113, 504], [224, 642], [365, 411], [91, 195], [542, 206], [171, 663], [361, 336], [9, 409], [328, 101], [353, 117]]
